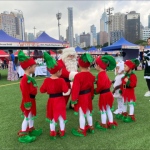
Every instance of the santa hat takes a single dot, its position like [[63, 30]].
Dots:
[[120, 64], [25, 61], [106, 62], [51, 63], [133, 63], [68, 51], [85, 60]]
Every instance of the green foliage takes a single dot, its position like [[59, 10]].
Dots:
[[141, 42]]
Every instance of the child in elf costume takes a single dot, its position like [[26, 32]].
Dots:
[[106, 99], [117, 83], [129, 82], [56, 105], [82, 95], [28, 88]]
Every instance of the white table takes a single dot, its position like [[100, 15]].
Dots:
[[20, 71], [39, 71]]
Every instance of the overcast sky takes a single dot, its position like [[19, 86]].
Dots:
[[42, 14]]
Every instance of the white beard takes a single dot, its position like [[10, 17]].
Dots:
[[71, 64]]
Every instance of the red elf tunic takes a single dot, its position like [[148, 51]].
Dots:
[[83, 83], [55, 106], [127, 88], [28, 93], [106, 98]]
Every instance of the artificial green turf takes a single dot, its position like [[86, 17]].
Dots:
[[125, 136]]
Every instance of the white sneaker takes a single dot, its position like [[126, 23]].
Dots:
[[116, 111], [147, 94]]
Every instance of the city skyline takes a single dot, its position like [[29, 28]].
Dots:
[[86, 13]]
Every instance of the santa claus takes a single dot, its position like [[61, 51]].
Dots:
[[68, 62]]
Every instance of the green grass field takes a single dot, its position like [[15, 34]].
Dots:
[[126, 136]]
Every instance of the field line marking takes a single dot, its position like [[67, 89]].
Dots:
[[15, 83]]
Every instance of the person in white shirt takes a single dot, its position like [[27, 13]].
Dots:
[[119, 74]]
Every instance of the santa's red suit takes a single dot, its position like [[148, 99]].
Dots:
[[83, 91], [56, 105], [69, 68]]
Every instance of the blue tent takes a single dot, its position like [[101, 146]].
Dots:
[[147, 47], [120, 44], [93, 48], [4, 37], [79, 49], [45, 38], [130, 50]]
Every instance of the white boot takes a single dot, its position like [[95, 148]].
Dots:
[[147, 94], [116, 111]]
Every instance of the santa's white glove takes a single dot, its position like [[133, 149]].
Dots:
[[72, 75], [67, 93], [71, 84]]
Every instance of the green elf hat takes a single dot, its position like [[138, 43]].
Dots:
[[51, 63], [25, 61], [85, 60], [106, 62], [133, 63]]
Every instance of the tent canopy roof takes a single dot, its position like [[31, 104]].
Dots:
[[93, 48], [45, 38], [79, 49], [3, 53], [4, 37], [120, 44]]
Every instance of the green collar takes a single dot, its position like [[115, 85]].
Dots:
[[30, 79], [128, 74]]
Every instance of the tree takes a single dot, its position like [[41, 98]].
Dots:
[[105, 44], [141, 42]]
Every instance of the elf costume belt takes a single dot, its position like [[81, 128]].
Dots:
[[66, 79], [105, 91], [55, 95], [84, 92], [32, 96]]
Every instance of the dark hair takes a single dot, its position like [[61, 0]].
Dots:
[[10, 51], [148, 39]]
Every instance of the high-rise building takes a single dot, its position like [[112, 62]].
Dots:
[[104, 28], [26, 36], [70, 26], [115, 36], [149, 21], [30, 36], [93, 31], [98, 38], [39, 33], [141, 31], [132, 26], [103, 20], [67, 34], [117, 22], [103, 37], [62, 38], [77, 39], [146, 33], [13, 24], [91, 39], [85, 38]]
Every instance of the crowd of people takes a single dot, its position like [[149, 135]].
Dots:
[[66, 82]]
